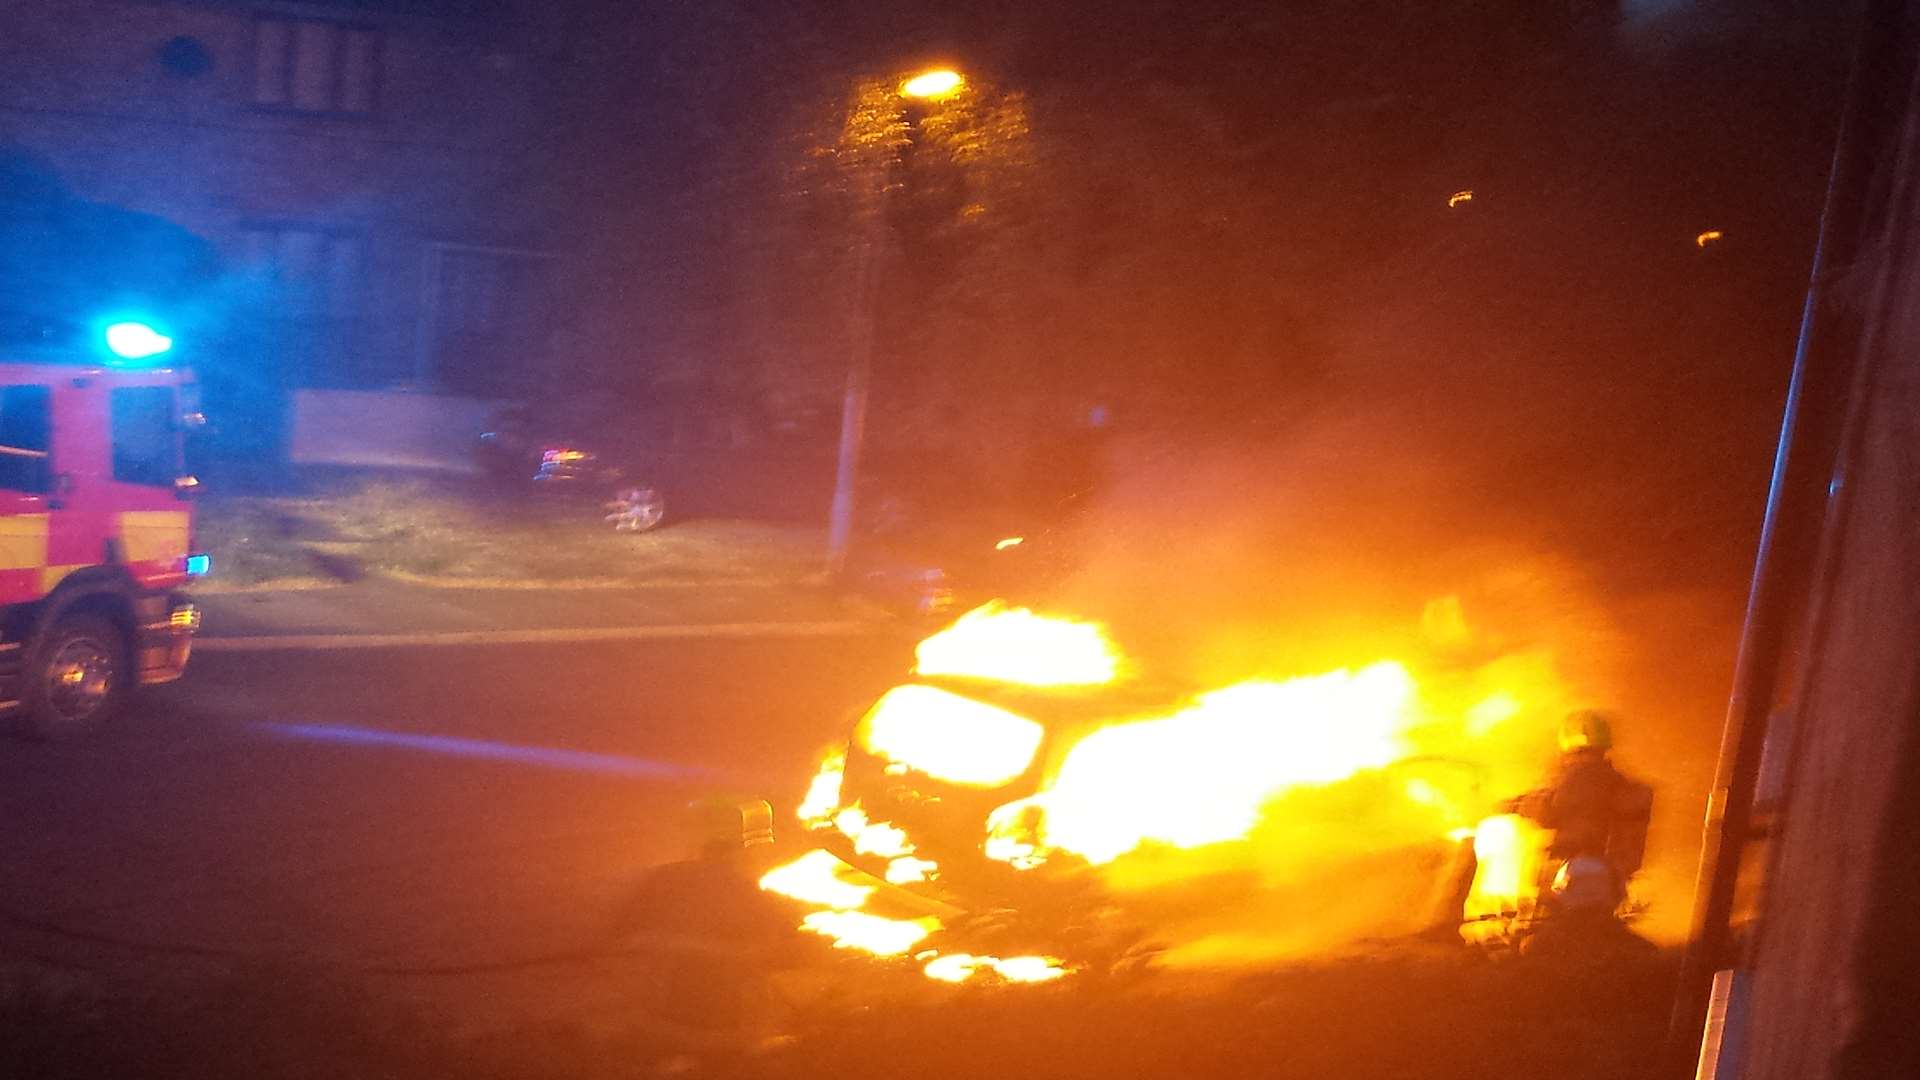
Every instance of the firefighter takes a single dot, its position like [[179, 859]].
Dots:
[[1593, 810], [709, 940], [1596, 818]]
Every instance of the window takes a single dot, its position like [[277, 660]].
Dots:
[[486, 319], [315, 321], [315, 66], [146, 444], [24, 412], [318, 270]]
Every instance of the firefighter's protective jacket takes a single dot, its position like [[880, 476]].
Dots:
[[1593, 810]]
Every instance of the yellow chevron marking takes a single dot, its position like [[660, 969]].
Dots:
[[54, 575], [23, 541], [152, 535]]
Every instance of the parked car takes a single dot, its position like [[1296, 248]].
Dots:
[[585, 451]]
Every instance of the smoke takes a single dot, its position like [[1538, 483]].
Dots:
[[1333, 547]]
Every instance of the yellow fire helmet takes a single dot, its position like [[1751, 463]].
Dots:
[[1588, 729]]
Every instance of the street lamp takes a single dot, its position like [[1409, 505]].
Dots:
[[935, 85], [938, 84]]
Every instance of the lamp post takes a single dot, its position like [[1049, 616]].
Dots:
[[938, 84]]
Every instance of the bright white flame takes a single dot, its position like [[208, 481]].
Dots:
[[907, 870], [1015, 645], [871, 837], [1203, 775], [959, 967], [869, 933], [949, 737], [1507, 849], [1013, 833], [814, 878], [953, 967], [1029, 969]]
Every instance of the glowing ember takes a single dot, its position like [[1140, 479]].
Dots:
[[815, 879], [823, 794], [1015, 645], [949, 737], [959, 967], [869, 933], [1203, 775]]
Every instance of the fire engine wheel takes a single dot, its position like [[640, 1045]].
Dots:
[[79, 678]]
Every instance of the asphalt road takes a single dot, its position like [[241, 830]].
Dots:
[[452, 831], [420, 816]]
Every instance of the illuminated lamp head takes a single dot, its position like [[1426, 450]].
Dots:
[[130, 340], [936, 85]]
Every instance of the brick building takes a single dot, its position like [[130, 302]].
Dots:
[[368, 170]]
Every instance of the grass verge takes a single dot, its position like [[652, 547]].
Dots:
[[457, 532]]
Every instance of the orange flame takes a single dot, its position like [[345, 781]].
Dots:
[[1202, 776], [1295, 780], [1507, 849], [1015, 645], [819, 879], [871, 837], [823, 793], [814, 878]]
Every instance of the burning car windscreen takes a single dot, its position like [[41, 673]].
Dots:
[[949, 737]]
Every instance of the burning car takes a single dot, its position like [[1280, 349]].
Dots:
[[1028, 802]]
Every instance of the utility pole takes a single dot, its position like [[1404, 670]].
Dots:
[[853, 404], [875, 179]]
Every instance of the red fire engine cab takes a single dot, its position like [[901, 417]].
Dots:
[[95, 531]]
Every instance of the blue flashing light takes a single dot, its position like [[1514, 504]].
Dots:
[[198, 565], [136, 341]]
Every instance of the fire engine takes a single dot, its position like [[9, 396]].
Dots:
[[95, 526]]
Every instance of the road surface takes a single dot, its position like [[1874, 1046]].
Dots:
[[426, 817]]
